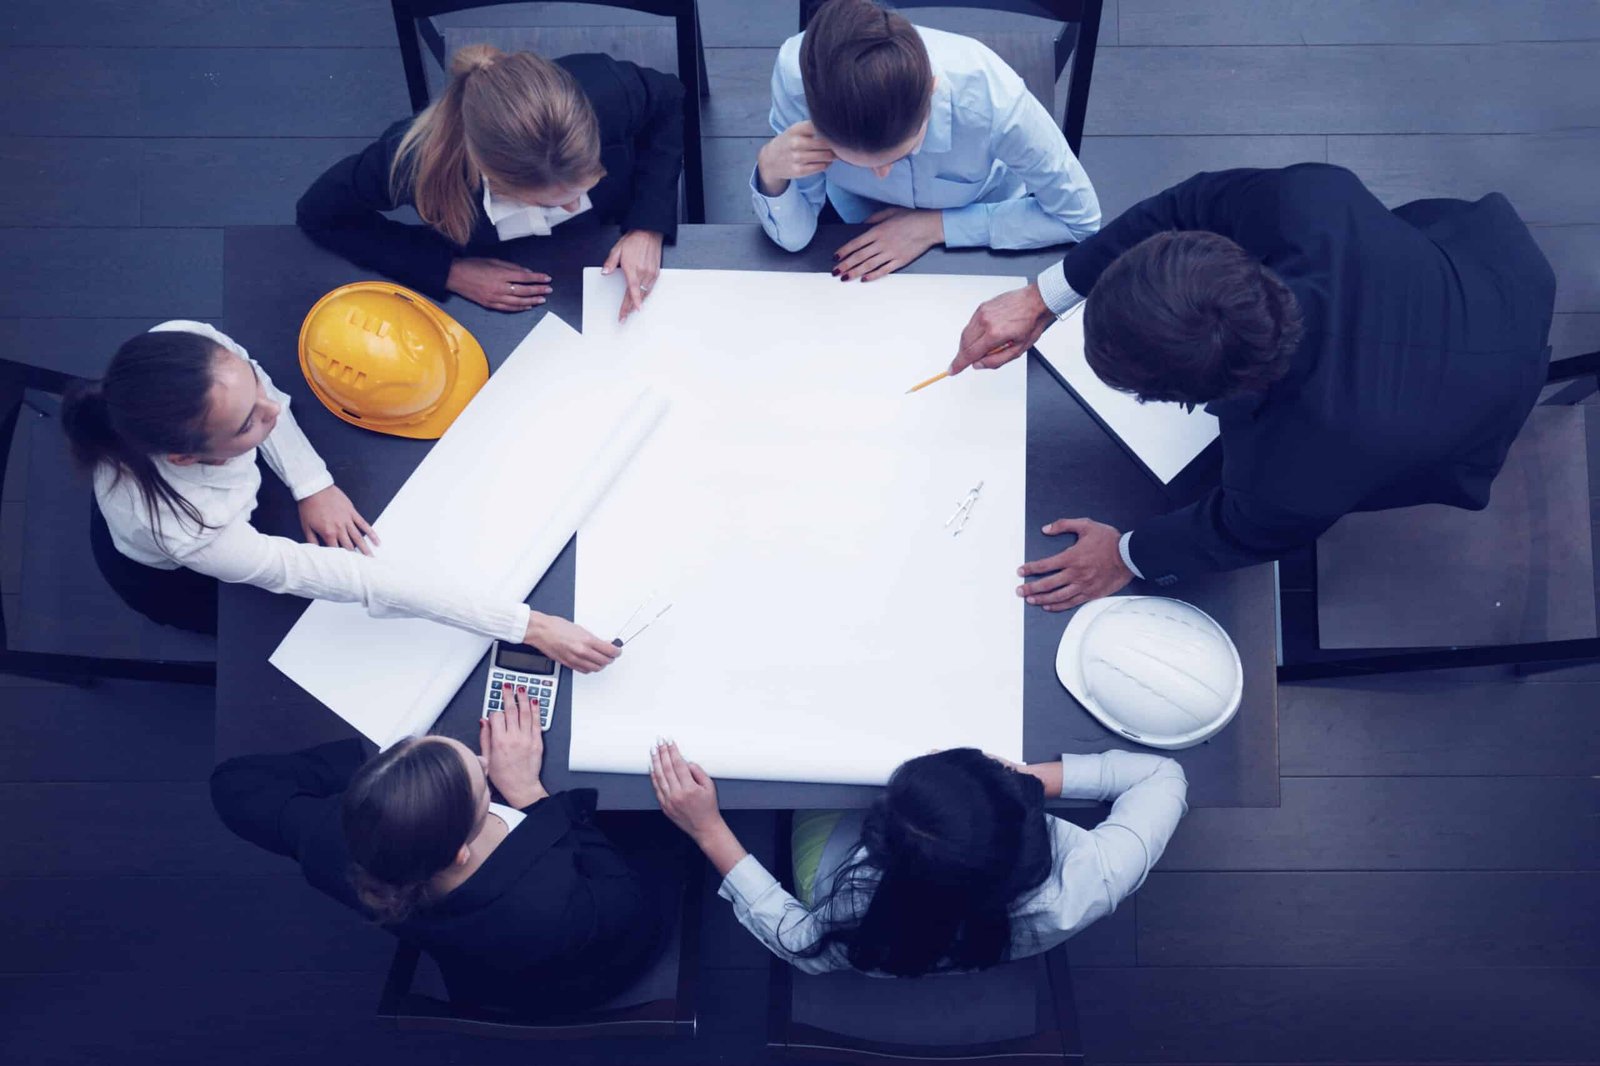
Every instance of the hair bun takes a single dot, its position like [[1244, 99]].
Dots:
[[474, 57]]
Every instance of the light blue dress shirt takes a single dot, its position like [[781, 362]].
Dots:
[[993, 160]]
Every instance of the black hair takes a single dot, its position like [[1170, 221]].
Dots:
[[406, 815], [954, 841], [153, 401], [866, 74], [1190, 317]]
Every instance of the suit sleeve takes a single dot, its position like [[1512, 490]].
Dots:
[[275, 801], [1223, 202], [343, 212], [1225, 530], [656, 102]]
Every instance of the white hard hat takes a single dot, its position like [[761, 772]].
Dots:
[[1157, 671]]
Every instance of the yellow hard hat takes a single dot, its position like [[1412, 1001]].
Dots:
[[384, 358]]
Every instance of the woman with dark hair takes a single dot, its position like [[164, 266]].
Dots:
[[515, 145], [170, 435], [957, 866], [928, 136], [526, 905]]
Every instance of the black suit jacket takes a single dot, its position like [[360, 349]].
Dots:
[[555, 919], [640, 112], [1424, 349]]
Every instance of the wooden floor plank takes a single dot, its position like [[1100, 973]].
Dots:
[[1429, 918], [1515, 88], [165, 924], [69, 181], [1548, 177], [79, 92], [1412, 725], [134, 272], [1337, 1015], [1574, 334], [1125, 170], [1574, 254], [81, 346], [121, 828], [741, 92], [729, 161], [233, 181], [270, 92], [117, 731], [1400, 823], [163, 23], [1235, 22]]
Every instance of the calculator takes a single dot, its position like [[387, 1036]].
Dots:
[[525, 667]]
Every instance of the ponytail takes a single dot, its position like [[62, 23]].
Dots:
[[518, 120], [152, 401]]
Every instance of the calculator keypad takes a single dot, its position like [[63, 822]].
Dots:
[[539, 690]]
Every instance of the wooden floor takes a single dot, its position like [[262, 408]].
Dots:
[[1429, 890]]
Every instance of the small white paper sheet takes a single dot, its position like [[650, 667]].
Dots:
[[1164, 436], [490, 508], [825, 624]]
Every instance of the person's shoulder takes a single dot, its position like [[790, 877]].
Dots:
[[786, 68], [976, 78]]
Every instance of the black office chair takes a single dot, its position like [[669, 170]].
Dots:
[[1016, 1013], [1434, 570], [661, 1004], [1037, 58], [678, 51], [64, 603]]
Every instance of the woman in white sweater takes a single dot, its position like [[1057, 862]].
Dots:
[[957, 866], [171, 435]]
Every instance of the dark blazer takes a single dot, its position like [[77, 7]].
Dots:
[[1424, 349], [555, 920], [640, 112]]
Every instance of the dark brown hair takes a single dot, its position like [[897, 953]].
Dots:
[[1190, 317], [153, 401], [866, 74], [406, 814]]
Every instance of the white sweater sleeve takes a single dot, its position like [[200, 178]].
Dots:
[[1148, 795], [776, 918], [240, 553], [286, 449]]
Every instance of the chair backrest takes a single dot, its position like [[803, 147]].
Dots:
[[678, 51], [1038, 58], [1018, 1012], [661, 1003]]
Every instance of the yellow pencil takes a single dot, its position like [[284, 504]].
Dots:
[[930, 381]]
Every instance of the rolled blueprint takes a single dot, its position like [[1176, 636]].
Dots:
[[490, 508]]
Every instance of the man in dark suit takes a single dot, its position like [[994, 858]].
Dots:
[[1356, 358]]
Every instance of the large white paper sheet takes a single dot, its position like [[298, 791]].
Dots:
[[471, 513], [1164, 436], [825, 625]]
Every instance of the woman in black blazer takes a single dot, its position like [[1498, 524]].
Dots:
[[528, 908], [515, 145]]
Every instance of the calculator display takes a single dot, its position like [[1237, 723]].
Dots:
[[522, 657]]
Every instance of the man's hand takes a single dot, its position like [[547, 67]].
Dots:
[[513, 748], [798, 152], [898, 236], [328, 517], [1002, 329], [497, 284], [638, 253], [1088, 570]]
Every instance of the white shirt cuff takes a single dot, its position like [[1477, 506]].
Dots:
[[1059, 297], [1127, 560], [747, 881]]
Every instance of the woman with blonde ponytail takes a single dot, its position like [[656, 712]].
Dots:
[[526, 904], [515, 145]]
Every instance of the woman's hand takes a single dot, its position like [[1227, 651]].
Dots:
[[497, 284], [513, 747], [569, 644], [898, 235], [638, 253], [688, 798], [798, 152], [328, 517]]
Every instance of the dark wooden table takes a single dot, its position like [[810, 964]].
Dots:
[[272, 276]]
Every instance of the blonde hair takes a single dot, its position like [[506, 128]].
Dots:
[[517, 120]]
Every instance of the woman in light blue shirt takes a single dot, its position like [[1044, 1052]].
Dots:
[[927, 135]]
